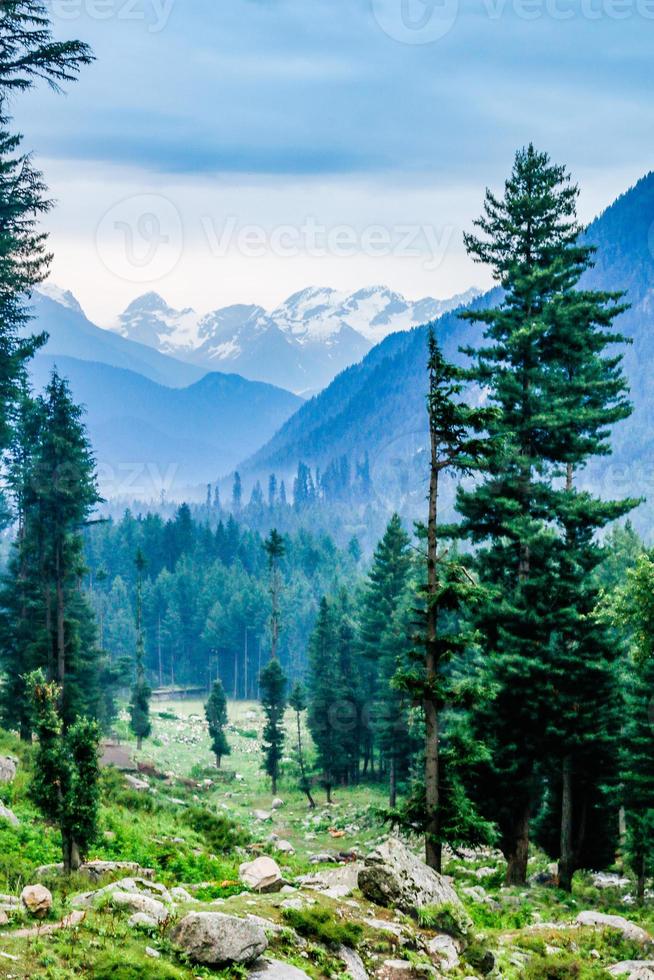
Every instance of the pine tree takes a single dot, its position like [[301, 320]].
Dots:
[[215, 711], [631, 611], [28, 52], [555, 391], [141, 692], [298, 702], [385, 648], [65, 786], [273, 698], [324, 688], [275, 549]]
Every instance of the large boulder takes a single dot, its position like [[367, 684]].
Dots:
[[215, 939], [393, 877], [8, 767], [143, 887], [601, 920], [353, 963], [276, 970], [337, 883], [262, 875], [136, 902], [633, 970], [37, 900]]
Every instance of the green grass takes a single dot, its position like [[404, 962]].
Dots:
[[321, 924]]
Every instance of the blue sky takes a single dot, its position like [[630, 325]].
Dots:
[[214, 130]]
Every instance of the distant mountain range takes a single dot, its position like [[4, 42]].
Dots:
[[301, 345], [378, 406]]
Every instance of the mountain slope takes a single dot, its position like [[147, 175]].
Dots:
[[301, 345], [72, 334], [378, 406], [146, 435]]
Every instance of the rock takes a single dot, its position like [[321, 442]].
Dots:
[[444, 951], [276, 970], [628, 929], [4, 918], [143, 921], [352, 963], [262, 875], [261, 815], [396, 970], [633, 969], [215, 939], [181, 895], [136, 902], [393, 877], [37, 900], [96, 870], [139, 785], [284, 847], [154, 954], [276, 804], [9, 816], [270, 928], [8, 766], [381, 925], [339, 883], [605, 880]]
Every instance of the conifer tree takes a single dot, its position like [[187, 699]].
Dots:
[[298, 702], [456, 447], [215, 711], [545, 372], [631, 611], [141, 692], [273, 698], [385, 647], [275, 550], [65, 786], [324, 687]]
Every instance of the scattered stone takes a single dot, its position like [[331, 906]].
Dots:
[[444, 951], [154, 954], [135, 902], [8, 766], [9, 816], [339, 883], [139, 785], [284, 847], [181, 895], [396, 970], [482, 873], [381, 925], [37, 900], [393, 877], [4, 918], [69, 922], [628, 929], [276, 804], [262, 875], [323, 858], [215, 939], [96, 870], [605, 879], [261, 815], [352, 963], [478, 894], [276, 970], [143, 921]]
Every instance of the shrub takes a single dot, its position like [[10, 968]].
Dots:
[[220, 834], [448, 918], [562, 968], [115, 967], [321, 924]]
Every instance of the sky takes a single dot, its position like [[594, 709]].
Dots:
[[224, 151]]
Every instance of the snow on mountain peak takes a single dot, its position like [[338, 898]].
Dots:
[[58, 295]]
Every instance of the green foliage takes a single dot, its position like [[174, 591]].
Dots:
[[320, 924], [562, 967], [215, 711], [219, 834], [447, 917], [112, 966], [273, 698]]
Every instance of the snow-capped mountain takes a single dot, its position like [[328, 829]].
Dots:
[[301, 345]]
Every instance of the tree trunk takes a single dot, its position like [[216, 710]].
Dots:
[[300, 754], [274, 784], [567, 858], [640, 875], [139, 743], [219, 760], [516, 872], [392, 782], [328, 790]]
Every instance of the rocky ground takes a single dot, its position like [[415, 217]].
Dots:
[[202, 875]]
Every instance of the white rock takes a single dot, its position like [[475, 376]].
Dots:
[[276, 804], [444, 951], [633, 969], [284, 847], [276, 970], [37, 900], [261, 815], [154, 954], [353, 963], [135, 902], [8, 766], [337, 883], [134, 783], [262, 875], [628, 929], [215, 939], [9, 816], [143, 921], [181, 895]]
